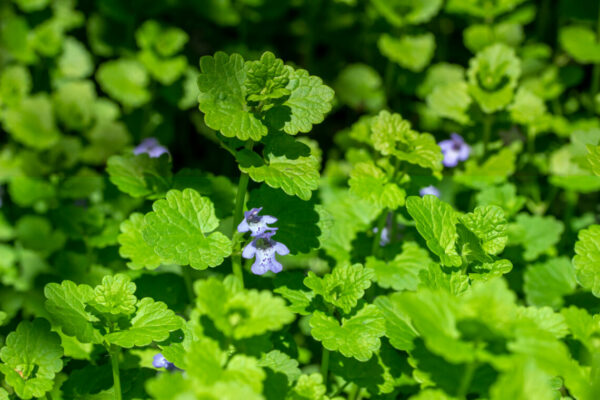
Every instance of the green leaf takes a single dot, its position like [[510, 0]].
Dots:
[[309, 100], [504, 196], [28, 192], [360, 87], [479, 36], [282, 371], [436, 222], [152, 322], [547, 282], [435, 278], [115, 295], [343, 287], [486, 11], [581, 43], [495, 170], [66, 303], [401, 273], [528, 109], [266, 78], [523, 381], [391, 135], [74, 104], [125, 80], [297, 219], [451, 101], [413, 52], [489, 226], [241, 314], [370, 183], [398, 327], [166, 41], [166, 71], [140, 175], [75, 61], [357, 336], [222, 97], [32, 357], [593, 158], [587, 259], [295, 176], [308, 387], [133, 245], [582, 325], [31, 122], [440, 74], [179, 230], [493, 76], [400, 13], [15, 84], [535, 233]]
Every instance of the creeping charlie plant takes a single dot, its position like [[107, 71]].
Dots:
[[405, 205]]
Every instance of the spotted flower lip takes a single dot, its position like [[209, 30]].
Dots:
[[256, 224], [159, 361], [454, 150], [429, 190], [152, 147], [264, 249]]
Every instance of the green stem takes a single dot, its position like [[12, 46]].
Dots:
[[487, 131], [377, 237], [466, 379], [189, 282], [115, 351], [240, 199], [325, 365]]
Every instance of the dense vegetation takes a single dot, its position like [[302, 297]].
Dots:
[[299, 199]]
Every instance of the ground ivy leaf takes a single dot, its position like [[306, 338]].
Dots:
[[593, 158], [451, 100], [524, 380], [309, 100], [297, 219], [587, 259], [343, 287], [436, 222], [222, 97], [179, 229], [266, 78], [296, 177], [496, 169], [413, 52], [126, 81], [357, 336], [435, 278], [493, 74], [32, 357], [398, 327], [535, 233], [369, 182], [115, 295], [31, 122], [504, 196], [308, 387], [133, 245], [489, 225], [241, 314], [547, 282], [282, 371], [153, 321], [401, 273], [581, 43], [140, 175], [66, 303], [360, 87]]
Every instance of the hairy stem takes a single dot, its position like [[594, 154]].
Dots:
[[487, 131], [240, 199], [115, 352], [377, 236], [189, 282], [325, 365], [465, 381]]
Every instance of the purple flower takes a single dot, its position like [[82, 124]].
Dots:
[[159, 361], [256, 224], [264, 249], [454, 149], [152, 147], [384, 239], [430, 190]]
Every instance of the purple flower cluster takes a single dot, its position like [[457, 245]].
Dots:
[[262, 246], [432, 190], [454, 150], [152, 147], [159, 361]]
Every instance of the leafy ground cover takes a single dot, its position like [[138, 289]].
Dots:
[[299, 199]]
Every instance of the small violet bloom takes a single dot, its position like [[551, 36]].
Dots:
[[430, 190], [454, 149], [264, 249], [152, 147], [256, 224], [159, 361], [384, 239]]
